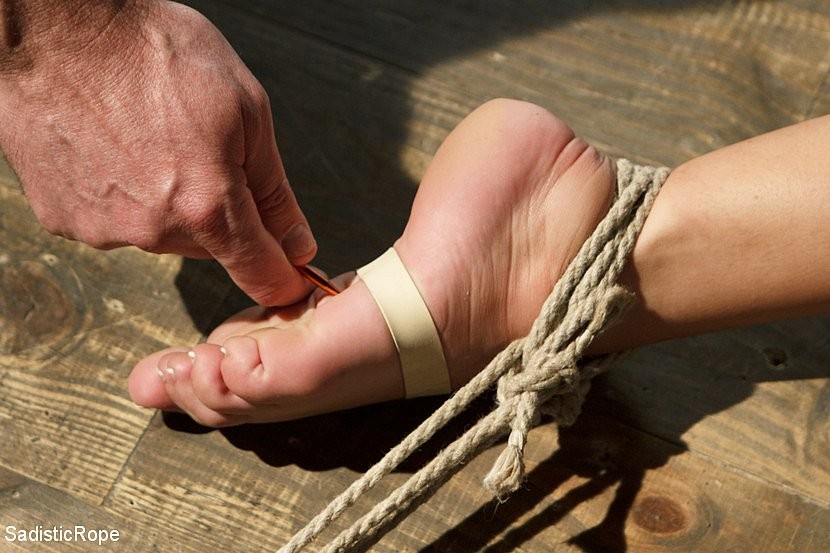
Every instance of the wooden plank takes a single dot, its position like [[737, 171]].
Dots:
[[608, 488], [71, 326], [821, 101], [602, 486], [201, 491], [54, 521], [754, 398], [676, 80]]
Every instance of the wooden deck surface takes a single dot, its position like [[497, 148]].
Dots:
[[717, 443]]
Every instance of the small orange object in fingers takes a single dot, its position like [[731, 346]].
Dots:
[[318, 280]]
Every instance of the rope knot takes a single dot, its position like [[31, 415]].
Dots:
[[548, 379]]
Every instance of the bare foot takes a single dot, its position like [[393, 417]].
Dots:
[[504, 206]]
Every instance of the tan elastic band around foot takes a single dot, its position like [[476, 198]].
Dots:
[[413, 330]]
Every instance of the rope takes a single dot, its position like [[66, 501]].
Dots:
[[536, 375]]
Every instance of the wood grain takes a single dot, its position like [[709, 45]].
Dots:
[[676, 78], [754, 398], [26, 505], [715, 443]]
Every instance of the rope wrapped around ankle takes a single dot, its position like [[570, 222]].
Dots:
[[540, 374]]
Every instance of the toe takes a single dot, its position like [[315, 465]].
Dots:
[[242, 370], [177, 376], [261, 365], [208, 384], [146, 381], [340, 356]]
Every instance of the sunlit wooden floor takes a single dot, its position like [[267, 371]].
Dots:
[[709, 444]]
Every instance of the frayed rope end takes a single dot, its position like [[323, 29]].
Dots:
[[508, 472]]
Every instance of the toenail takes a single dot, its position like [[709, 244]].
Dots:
[[223, 350], [160, 373], [192, 355], [170, 372]]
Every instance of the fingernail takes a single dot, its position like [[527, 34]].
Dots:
[[298, 242]]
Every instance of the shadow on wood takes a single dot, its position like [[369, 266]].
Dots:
[[355, 439]]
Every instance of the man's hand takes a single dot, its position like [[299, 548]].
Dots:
[[135, 123]]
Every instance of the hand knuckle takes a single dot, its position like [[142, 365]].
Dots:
[[149, 240]]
